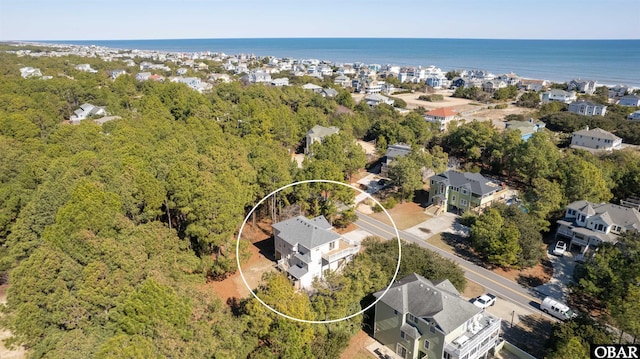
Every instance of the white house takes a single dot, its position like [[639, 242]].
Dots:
[[587, 108], [376, 99], [85, 111], [342, 81], [284, 81], [442, 116], [588, 224], [27, 72], [115, 73], [306, 248], [584, 86], [595, 140], [559, 96], [85, 68]]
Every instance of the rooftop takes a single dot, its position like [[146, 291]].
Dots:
[[309, 233], [442, 112]]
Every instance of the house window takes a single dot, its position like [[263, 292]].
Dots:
[[463, 202], [402, 351], [426, 344], [403, 335], [432, 329], [395, 312], [464, 191], [453, 198], [600, 227], [571, 212], [332, 245], [581, 218], [446, 355]]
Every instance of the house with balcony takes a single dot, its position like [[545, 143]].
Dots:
[[584, 86], [587, 108], [462, 191], [419, 318], [441, 116], [595, 140], [557, 95], [586, 225], [377, 99], [306, 248]]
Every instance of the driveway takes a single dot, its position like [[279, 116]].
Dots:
[[563, 267], [444, 223]]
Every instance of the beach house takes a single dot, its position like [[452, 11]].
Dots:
[[630, 100], [584, 86], [394, 152], [306, 248], [85, 111], [587, 225], [419, 318], [595, 140], [462, 191], [558, 96], [441, 116], [587, 108], [526, 128]]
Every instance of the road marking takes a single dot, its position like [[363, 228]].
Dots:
[[526, 296]]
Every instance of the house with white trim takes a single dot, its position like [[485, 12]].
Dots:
[[585, 86], [558, 96], [418, 318], [27, 72], [442, 116], [587, 225], [587, 108], [318, 133], [306, 248], [85, 111], [595, 140], [630, 100]]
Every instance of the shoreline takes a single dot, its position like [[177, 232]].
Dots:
[[182, 51]]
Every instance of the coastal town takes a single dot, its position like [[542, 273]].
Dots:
[[511, 197]]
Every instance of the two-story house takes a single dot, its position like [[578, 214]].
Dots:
[[418, 318], [441, 116], [587, 108], [306, 248], [595, 140], [85, 111], [558, 96], [317, 133], [462, 191], [630, 100], [377, 99], [584, 86], [587, 224]]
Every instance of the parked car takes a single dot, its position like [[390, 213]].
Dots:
[[484, 301], [560, 248], [557, 309]]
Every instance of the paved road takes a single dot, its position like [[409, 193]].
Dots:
[[494, 283]]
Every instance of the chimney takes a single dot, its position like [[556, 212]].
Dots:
[[586, 128]]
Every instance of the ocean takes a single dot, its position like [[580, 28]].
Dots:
[[609, 62]]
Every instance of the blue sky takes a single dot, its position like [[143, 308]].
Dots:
[[164, 19]]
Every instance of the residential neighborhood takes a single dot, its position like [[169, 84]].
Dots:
[[458, 184]]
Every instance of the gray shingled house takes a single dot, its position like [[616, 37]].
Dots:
[[453, 190], [418, 318], [587, 224]]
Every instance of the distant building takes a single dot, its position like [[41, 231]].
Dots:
[[377, 99], [85, 68], [630, 100], [584, 86], [526, 128], [532, 85], [595, 140], [313, 87], [85, 111], [306, 248], [556, 95], [634, 116], [342, 81], [27, 72], [587, 108], [393, 153], [115, 73], [317, 134], [442, 116]]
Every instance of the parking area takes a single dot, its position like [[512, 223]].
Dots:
[[563, 267]]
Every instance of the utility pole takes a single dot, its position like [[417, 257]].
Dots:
[[513, 312]]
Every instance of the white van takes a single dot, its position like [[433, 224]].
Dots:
[[557, 309]]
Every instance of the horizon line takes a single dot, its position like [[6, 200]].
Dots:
[[332, 37]]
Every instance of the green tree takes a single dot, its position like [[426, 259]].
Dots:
[[406, 173]]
